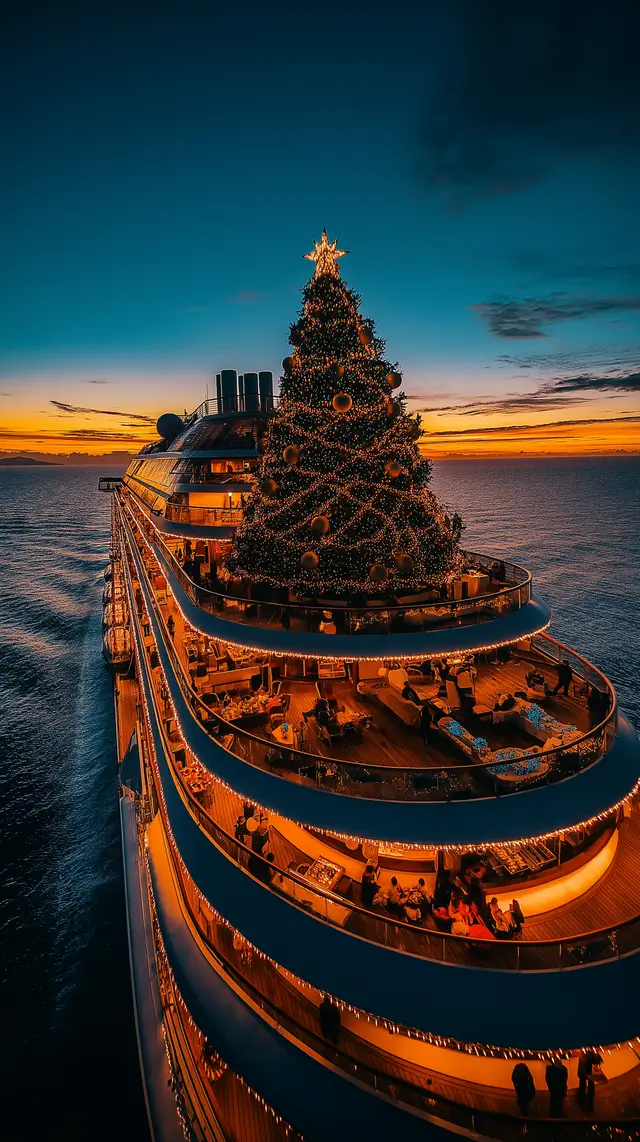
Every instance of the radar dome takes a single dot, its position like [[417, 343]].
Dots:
[[169, 425]]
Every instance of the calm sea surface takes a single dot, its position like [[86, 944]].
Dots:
[[68, 1035]]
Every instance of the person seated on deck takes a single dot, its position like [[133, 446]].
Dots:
[[440, 901], [517, 915], [419, 897], [502, 924], [396, 897], [369, 887], [459, 913], [410, 695], [412, 908], [464, 681], [471, 885], [321, 711], [333, 728]]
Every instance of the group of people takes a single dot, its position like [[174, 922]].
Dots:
[[252, 830], [557, 1080], [459, 904], [455, 906]]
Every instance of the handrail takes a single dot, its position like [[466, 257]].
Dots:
[[519, 593], [429, 782], [511, 955], [260, 404], [481, 1122]]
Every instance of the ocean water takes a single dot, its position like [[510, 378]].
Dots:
[[69, 1042]]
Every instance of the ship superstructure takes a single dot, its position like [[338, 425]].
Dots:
[[378, 850]]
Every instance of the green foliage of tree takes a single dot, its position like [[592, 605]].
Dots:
[[358, 474]]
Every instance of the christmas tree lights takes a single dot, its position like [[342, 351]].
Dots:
[[342, 503]]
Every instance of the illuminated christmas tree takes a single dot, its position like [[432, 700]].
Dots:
[[342, 500]]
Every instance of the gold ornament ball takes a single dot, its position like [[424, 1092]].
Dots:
[[268, 487], [393, 408], [377, 572], [393, 468], [404, 563], [320, 524], [365, 335], [342, 402], [309, 561], [394, 380], [287, 362], [291, 454]]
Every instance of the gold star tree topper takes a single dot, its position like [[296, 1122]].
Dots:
[[325, 256]]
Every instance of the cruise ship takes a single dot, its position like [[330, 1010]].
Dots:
[[380, 839]]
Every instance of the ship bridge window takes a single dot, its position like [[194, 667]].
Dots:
[[212, 471]]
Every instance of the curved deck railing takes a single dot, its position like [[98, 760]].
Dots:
[[389, 1076], [442, 783], [339, 617], [519, 955]]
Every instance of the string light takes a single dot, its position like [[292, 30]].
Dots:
[[511, 845], [478, 1049], [342, 444], [483, 1049], [376, 616]]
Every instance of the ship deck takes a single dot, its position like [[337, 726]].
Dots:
[[614, 899], [389, 741], [393, 1058]]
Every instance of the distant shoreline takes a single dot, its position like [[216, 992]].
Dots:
[[24, 462]]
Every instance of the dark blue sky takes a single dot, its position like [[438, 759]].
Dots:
[[166, 167]]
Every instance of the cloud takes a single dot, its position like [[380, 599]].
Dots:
[[5, 394], [509, 403], [557, 392], [89, 434], [501, 429], [605, 358], [101, 412], [99, 382], [514, 319], [550, 267], [588, 383], [516, 89]]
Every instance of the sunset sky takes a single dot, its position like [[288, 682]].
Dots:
[[166, 166]]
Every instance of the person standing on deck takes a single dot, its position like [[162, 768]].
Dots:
[[587, 1063], [330, 1020], [524, 1086], [565, 675], [556, 1076]]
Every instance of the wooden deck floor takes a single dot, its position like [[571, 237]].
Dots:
[[619, 1098], [389, 742], [614, 899], [126, 697]]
